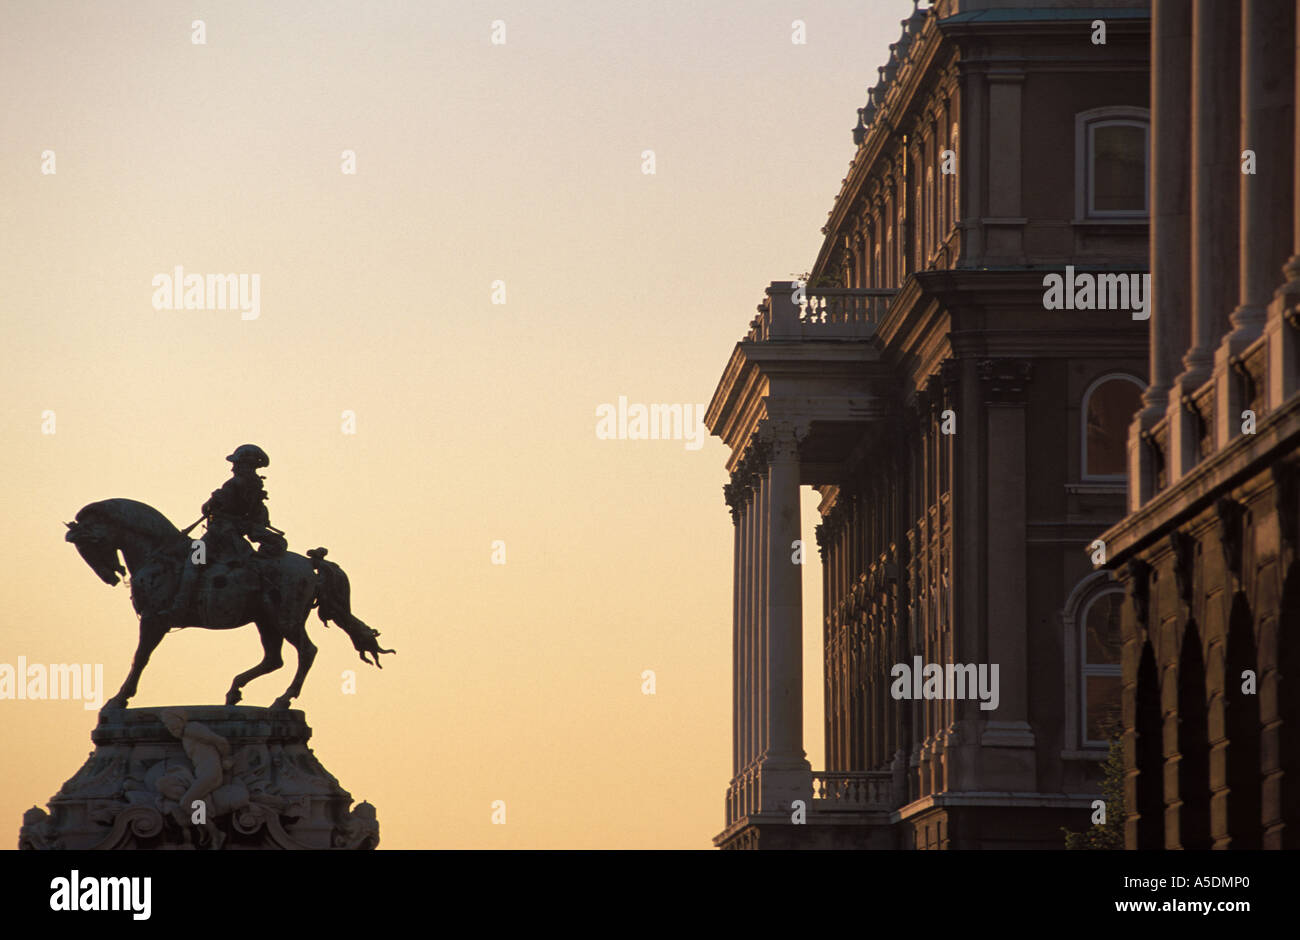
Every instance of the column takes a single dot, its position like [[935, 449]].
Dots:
[[1267, 128], [762, 587], [825, 543], [786, 773], [887, 221], [1283, 317], [742, 616], [737, 512], [1007, 740], [1216, 97], [1216, 46], [1170, 224], [751, 612], [747, 632]]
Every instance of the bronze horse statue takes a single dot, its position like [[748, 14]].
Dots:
[[275, 593]]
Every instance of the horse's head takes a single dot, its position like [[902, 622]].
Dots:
[[96, 547], [135, 529]]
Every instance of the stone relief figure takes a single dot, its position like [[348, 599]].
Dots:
[[157, 775], [210, 754], [222, 583], [360, 830]]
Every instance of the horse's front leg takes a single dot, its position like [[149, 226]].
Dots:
[[152, 630]]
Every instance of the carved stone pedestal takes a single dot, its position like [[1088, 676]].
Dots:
[[201, 777]]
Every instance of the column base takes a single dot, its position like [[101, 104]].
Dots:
[[781, 781], [1007, 756], [1283, 352]]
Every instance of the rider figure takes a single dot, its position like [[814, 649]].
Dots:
[[236, 510]]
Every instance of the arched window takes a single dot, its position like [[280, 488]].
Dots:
[[1109, 405], [952, 181], [887, 271], [1093, 645], [1112, 148], [930, 226], [1102, 646], [918, 228]]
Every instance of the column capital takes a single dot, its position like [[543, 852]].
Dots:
[[781, 437], [823, 533], [734, 495], [950, 372], [1006, 380], [745, 476]]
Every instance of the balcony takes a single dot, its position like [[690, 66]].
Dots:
[[834, 313], [853, 792], [832, 791]]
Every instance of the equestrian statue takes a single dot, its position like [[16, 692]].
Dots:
[[219, 582]]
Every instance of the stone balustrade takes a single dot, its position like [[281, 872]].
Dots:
[[858, 791], [819, 313]]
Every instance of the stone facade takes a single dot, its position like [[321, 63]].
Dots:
[[967, 443], [1207, 553]]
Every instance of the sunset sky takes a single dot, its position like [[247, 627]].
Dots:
[[474, 421]]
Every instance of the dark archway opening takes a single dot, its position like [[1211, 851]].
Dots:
[[1288, 705], [1244, 778], [1193, 744]]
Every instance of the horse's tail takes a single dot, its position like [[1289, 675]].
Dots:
[[333, 602]]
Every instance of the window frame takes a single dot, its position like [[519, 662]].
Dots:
[[1074, 622], [1086, 669], [1097, 383], [1085, 124], [954, 194]]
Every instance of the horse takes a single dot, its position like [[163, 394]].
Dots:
[[125, 537]]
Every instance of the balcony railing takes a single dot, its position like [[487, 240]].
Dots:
[[791, 313], [742, 795], [873, 790], [832, 791]]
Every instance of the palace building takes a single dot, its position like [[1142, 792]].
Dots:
[[968, 443], [1207, 552]]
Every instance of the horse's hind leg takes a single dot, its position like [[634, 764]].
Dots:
[[152, 631], [306, 654], [272, 642]]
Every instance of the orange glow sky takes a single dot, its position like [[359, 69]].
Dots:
[[475, 421]]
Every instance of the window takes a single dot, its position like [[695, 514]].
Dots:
[[1112, 154], [1109, 405], [954, 205], [1093, 648], [930, 226], [1102, 644], [887, 280], [918, 229]]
